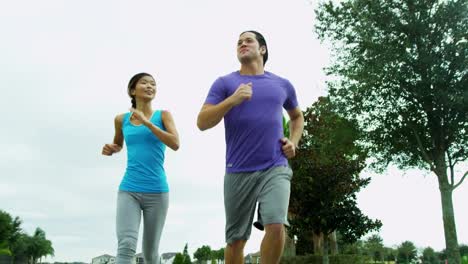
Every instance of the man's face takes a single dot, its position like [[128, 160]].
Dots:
[[248, 48]]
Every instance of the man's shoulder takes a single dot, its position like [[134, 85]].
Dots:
[[230, 75], [276, 76]]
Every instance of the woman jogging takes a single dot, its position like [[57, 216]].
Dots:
[[144, 187]]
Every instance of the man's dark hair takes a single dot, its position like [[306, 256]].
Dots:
[[261, 41]]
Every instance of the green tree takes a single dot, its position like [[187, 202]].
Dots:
[[401, 70], [187, 259], [463, 250], [375, 248], [178, 259], [355, 248], [390, 254], [406, 253], [21, 248], [429, 256], [202, 254], [39, 246], [182, 258], [326, 178], [219, 254], [304, 238], [442, 255], [10, 230]]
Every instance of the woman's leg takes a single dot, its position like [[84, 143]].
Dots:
[[154, 216], [127, 225]]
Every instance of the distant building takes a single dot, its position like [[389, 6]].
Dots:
[[166, 258], [252, 258], [139, 259], [103, 259]]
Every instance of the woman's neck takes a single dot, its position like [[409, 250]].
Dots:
[[145, 108]]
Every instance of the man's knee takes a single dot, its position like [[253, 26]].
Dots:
[[276, 230], [237, 245]]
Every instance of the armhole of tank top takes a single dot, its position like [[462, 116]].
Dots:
[[126, 119], [157, 119]]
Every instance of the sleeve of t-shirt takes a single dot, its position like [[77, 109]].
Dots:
[[217, 93], [291, 99]]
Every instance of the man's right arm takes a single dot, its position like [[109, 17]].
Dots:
[[210, 115]]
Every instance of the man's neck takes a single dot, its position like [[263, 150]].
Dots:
[[253, 68]]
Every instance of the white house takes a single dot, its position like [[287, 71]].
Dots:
[[252, 258], [103, 259], [166, 258]]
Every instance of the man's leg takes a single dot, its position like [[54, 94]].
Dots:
[[234, 252], [240, 197], [273, 209], [272, 244]]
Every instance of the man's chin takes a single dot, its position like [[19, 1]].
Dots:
[[244, 60]]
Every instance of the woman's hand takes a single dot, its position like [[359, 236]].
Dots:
[[110, 149], [140, 116]]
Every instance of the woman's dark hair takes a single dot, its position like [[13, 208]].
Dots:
[[132, 84], [261, 41]]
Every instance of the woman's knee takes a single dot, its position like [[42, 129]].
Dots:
[[127, 246]]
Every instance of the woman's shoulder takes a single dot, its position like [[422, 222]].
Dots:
[[165, 113], [119, 118]]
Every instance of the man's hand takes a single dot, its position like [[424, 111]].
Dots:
[[289, 149], [243, 92]]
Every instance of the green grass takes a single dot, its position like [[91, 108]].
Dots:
[[5, 252]]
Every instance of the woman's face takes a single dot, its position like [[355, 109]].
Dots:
[[145, 88]]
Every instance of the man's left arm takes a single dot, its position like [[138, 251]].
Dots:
[[296, 126]]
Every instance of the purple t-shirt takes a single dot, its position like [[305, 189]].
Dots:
[[254, 128]]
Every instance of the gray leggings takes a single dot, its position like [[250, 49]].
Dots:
[[129, 208]]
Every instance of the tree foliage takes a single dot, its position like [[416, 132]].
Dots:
[[401, 71], [375, 248], [326, 177], [429, 256], [21, 245], [406, 252], [203, 254]]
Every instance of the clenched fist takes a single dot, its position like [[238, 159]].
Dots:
[[110, 149], [243, 92], [289, 149]]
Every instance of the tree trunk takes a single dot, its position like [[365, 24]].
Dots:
[[289, 247], [318, 243], [333, 243], [325, 251], [450, 230]]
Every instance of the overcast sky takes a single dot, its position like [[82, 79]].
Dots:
[[64, 67]]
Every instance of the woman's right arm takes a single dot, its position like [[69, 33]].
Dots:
[[115, 147]]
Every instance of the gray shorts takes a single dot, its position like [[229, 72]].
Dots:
[[270, 188]]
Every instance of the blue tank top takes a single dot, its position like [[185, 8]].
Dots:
[[145, 157]]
